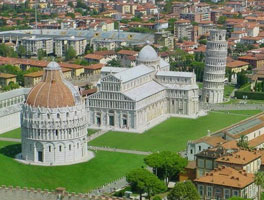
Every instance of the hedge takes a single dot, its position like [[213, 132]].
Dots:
[[250, 95]]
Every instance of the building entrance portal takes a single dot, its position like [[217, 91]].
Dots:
[[40, 156], [111, 120], [98, 121]]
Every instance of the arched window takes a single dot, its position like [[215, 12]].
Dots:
[[60, 148], [69, 147], [49, 148], [58, 115]]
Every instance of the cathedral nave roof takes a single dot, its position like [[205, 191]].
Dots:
[[133, 73], [143, 91]]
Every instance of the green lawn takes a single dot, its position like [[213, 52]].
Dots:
[[228, 90], [172, 134], [91, 131], [16, 133], [200, 84], [104, 168]]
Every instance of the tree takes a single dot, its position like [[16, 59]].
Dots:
[[198, 68], [184, 191], [72, 15], [21, 51], [141, 181], [243, 142], [7, 51], [114, 63], [221, 20], [237, 198], [259, 181], [41, 54], [70, 53], [171, 24], [242, 79], [166, 165], [204, 41], [70, 4]]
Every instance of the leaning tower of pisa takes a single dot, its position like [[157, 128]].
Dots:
[[215, 64]]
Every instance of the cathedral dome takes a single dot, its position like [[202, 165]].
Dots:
[[53, 91], [148, 54]]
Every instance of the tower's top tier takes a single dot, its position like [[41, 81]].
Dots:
[[217, 35]]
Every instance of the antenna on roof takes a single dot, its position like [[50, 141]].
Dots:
[[158, 19], [118, 18], [36, 14]]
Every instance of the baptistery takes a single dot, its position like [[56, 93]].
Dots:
[[54, 122]]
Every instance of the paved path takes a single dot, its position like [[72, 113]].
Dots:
[[119, 150], [10, 139]]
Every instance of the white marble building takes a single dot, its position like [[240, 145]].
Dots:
[[135, 99], [215, 65], [54, 122]]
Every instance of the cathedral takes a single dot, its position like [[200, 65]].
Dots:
[[138, 98]]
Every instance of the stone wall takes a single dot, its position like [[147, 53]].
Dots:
[[17, 193], [206, 106]]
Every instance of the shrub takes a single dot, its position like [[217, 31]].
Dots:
[[250, 95]]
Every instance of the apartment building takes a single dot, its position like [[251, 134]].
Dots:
[[34, 44], [164, 38], [249, 161], [183, 29], [224, 182], [63, 43]]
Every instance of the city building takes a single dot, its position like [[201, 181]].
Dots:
[[249, 161], [138, 98], [183, 29], [34, 44], [127, 57], [206, 160], [5, 79], [63, 43], [225, 182], [165, 39], [215, 65], [32, 79], [10, 107], [58, 133], [251, 129]]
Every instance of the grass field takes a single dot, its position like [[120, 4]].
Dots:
[[12, 134], [228, 90], [91, 131], [172, 134], [104, 168]]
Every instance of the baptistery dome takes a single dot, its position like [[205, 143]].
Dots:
[[54, 122], [53, 91]]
